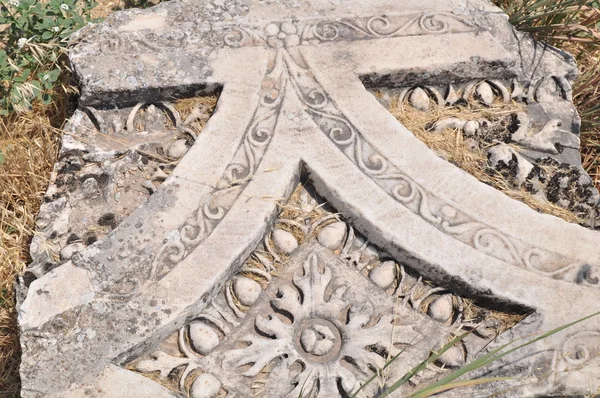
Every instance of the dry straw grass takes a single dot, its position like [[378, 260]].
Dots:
[[452, 146], [29, 144], [587, 99]]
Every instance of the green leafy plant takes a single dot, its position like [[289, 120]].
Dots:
[[31, 51]]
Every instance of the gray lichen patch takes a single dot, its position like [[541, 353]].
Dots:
[[110, 162]]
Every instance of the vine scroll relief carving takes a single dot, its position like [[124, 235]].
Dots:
[[290, 75], [291, 33]]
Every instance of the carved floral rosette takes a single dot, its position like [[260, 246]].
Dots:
[[316, 306]]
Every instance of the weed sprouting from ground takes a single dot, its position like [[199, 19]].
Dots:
[[32, 49]]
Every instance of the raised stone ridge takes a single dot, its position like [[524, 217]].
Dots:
[[293, 79]]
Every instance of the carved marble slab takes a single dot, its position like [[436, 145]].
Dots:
[[293, 79]]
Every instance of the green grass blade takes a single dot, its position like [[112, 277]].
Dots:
[[370, 379], [547, 334], [478, 363], [432, 358], [497, 353], [387, 364], [301, 393]]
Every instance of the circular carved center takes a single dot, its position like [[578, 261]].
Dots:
[[318, 340]]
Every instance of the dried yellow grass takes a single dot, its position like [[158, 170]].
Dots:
[[204, 104], [29, 143], [503, 320], [587, 100], [453, 147]]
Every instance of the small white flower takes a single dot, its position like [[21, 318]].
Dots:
[[14, 3], [64, 7], [55, 28], [21, 42], [46, 77]]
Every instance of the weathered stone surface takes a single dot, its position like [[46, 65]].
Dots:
[[293, 76], [385, 275], [332, 236], [529, 150], [284, 241], [311, 292]]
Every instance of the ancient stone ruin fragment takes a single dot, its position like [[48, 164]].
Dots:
[[293, 235]]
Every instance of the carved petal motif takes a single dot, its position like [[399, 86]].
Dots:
[[326, 317]]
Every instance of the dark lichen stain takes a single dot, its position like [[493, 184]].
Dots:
[[28, 278], [108, 220], [585, 275], [70, 165], [89, 238], [73, 238], [101, 179]]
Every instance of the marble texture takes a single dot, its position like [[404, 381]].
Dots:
[[293, 79]]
